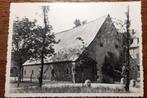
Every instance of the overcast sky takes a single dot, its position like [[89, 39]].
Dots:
[[62, 15]]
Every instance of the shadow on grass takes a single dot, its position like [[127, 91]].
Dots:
[[23, 84]]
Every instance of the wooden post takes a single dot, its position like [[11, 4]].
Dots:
[[73, 73]]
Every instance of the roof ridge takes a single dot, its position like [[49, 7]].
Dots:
[[80, 25]]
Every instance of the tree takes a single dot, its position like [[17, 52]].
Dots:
[[43, 42], [128, 52], [77, 22], [127, 41], [84, 22], [31, 41], [21, 40]]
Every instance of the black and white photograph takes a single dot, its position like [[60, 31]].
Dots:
[[74, 49]]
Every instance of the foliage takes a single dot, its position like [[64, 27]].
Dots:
[[66, 54], [111, 68], [31, 41], [21, 39], [77, 22], [84, 21], [21, 42], [37, 41]]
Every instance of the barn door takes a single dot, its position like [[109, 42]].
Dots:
[[89, 71]]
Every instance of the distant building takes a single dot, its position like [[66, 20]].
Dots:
[[90, 51], [14, 69], [134, 49], [134, 52]]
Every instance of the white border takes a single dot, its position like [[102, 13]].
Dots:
[[7, 83]]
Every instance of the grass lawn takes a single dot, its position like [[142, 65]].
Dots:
[[70, 90], [27, 87], [23, 84]]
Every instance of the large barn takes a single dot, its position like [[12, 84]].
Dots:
[[90, 51]]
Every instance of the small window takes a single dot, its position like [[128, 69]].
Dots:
[[138, 67], [67, 71], [98, 76], [116, 46], [137, 40], [32, 72], [101, 44], [112, 29]]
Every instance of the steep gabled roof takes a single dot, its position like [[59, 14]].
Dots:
[[69, 41]]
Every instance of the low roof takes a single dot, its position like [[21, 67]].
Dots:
[[69, 47]]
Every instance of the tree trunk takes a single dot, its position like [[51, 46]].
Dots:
[[19, 75], [127, 81], [42, 52], [41, 71], [22, 73]]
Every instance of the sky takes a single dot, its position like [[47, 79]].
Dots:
[[62, 15]]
